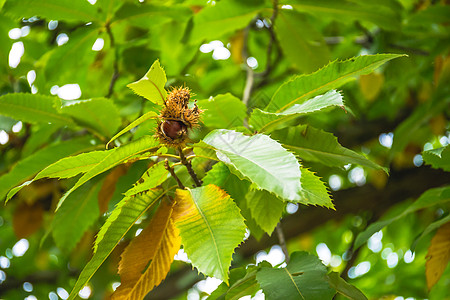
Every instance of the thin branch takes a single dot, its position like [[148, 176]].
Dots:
[[188, 165], [250, 81], [172, 172], [282, 241], [115, 75], [250, 74], [351, 261], [269, 64], [415, 51]]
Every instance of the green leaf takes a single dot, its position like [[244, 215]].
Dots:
[[175, 53], [430, 228], [52, 9], [151, 86], [266, 209], [313, 144], [203, 150], [33, 108], [429, 198], [86, 113], [6, 123], [141, 119], [109, 7], [147, 15], [314, 191], [263, 121], [303, 278], [224, 17], [223, 111], [302, 44], [73, 165], [61, 62], [39, 136], [65, 168], [259, 159], [438, 158], [344, 288], [153, 177], [350, 11], [123, 217], [242, 283], [332, 76], [30, 165], [77, 214], [115, 157], [221, 176], [430, 15], [211, 227]]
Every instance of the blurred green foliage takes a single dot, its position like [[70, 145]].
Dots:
[[217, 48]]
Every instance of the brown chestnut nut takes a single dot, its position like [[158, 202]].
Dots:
[[173, 129]]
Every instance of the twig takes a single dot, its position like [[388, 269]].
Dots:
[[250, 74], [271, 41], [415, 51], [188, 165], [353, 253], [115, 75], [250, 81], [172, 172], [351, 261], [282, 241]]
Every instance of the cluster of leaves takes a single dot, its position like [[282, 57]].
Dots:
[[256, 170], [254, 155]]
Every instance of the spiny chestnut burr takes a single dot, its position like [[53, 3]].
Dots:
[[176, 118]]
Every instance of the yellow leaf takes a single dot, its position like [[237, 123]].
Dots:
[[146, 261], [371, 85], [211, 227], [438, 255]]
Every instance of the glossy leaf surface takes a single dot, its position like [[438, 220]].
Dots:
[[259, 159], [211, 227]]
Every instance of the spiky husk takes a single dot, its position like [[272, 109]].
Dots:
[[176, 109]]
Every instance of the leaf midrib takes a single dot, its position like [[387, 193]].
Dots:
[[115, 162], [51, 175], [105, 256], [255, 163], [321, 152], [324, 86], [163, 237], [287, 117], [293, 282], [33, 110], [210, 231]]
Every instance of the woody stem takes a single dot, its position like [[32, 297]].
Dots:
[[188, 165], [172, 172]]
